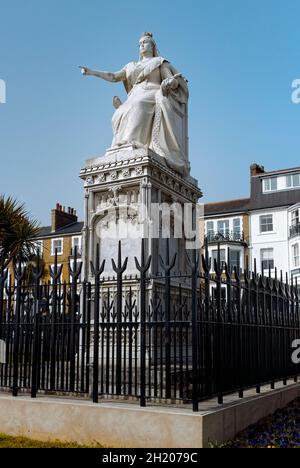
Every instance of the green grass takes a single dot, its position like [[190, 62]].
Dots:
[[23, 442]]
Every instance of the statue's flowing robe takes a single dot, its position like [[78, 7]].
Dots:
[[151, 119]]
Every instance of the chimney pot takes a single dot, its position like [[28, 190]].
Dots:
[[60, 217]]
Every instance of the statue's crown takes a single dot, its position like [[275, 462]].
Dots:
[[147, 34]]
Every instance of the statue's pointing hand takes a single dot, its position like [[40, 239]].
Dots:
[[84, 70]]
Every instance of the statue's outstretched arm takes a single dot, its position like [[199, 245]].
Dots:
[[108, 76]]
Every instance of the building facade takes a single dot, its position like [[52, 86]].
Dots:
[[268, 222], [61, 239], [227, 226], [274, 220]]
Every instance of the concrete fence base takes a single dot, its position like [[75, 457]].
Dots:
[[127, 425]]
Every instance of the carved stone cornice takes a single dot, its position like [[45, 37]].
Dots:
[[130, 164]]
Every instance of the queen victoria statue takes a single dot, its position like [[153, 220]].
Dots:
[[154, 114]]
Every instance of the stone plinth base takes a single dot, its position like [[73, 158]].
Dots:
[[121, 185], [115, 424]]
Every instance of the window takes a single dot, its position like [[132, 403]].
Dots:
[[223, 227], [210, 229], [295, 255], [295, 217], [76, 242], [57, 244], [38, 247], [234, 259], [215, 294], [215, 257], [267, 259], [266, 223], [72, 265], [237, 229], [270, 184], [60, 278], [293, 181]]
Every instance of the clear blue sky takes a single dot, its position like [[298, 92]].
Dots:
[[240, 58]]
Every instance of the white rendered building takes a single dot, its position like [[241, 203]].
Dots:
[[269, 222]]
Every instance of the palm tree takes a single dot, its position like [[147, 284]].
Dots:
[[17, 233]]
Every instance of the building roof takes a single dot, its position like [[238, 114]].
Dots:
[[258, 200], [74, 228], [227, 207], [278, 172]]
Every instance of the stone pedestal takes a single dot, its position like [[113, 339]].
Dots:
[[122, 187]]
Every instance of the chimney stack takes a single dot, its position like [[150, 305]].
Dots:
[[256, 169], [61, 218]]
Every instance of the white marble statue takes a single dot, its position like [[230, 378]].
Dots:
[[154, 114]]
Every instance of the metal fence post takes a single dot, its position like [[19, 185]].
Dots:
[[167, 266], [206, 266], [219, 331], [74, 274], [255, 280], [19, 276], [143, 268], [3, 278], [97, 272], [195, 344], [55, 275], [37, 274], [119, 270]]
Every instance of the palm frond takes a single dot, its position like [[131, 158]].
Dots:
[[17, 232]]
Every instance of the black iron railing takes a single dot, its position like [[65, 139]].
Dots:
[[157, 337], [295, 230], [225, 236]]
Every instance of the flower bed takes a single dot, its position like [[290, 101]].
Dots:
[[281, 430]]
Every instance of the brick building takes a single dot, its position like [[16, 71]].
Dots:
[[64, 234]]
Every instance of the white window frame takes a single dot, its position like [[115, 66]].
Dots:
[[296, 255], [291, 181], [210, 231], [295, 217], [72, 261], [236, 252], [267, 184], [60, 278], [223, 293], [224, 230], [236, 230], [237, 221], [79, 250], [271, 257], [39, 245], [260, 223], [53, 248], [222, 260]]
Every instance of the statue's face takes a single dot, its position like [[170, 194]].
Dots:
[[146, 46]]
